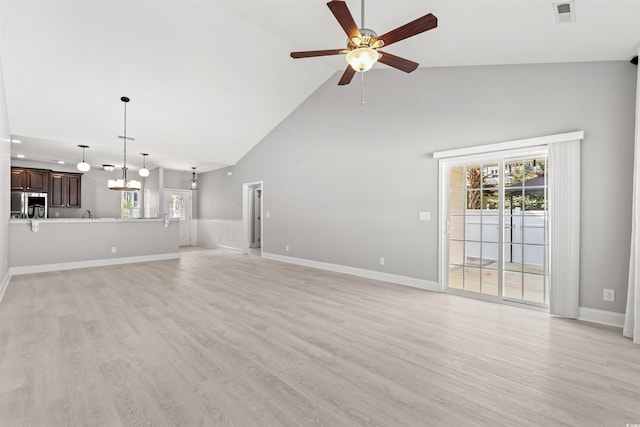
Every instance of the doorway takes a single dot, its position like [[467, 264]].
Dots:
[[178, 205], [497, 237], [252, 214]]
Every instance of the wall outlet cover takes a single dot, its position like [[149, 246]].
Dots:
[[609, 295]]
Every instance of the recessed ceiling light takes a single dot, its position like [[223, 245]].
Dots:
[[61, 162], [16, 141], [20, 156]]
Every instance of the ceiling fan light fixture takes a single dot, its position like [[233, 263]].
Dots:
[[362, 59]]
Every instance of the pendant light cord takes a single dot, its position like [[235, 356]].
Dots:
[[124, 169]]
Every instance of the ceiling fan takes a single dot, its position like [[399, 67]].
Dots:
[[363, 47]]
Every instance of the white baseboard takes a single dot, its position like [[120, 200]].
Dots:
[[223, 247], [360, 272], [14, 271], [4, 284], [602, 317]]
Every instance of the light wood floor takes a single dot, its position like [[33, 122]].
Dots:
[[217, 339]]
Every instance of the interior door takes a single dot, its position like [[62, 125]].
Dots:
[[178, 206]]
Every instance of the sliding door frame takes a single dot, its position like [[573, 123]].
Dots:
[[445, 165], [488, 153]]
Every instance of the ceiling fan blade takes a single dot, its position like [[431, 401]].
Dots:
[[312, 53], [397, 62], [347, 76], [420, 25], [345, 19]]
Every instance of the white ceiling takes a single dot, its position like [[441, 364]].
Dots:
[[209, 79]]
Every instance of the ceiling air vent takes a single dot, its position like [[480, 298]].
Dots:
[[564, 12]]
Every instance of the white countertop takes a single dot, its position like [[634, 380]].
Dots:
[[81, 220]]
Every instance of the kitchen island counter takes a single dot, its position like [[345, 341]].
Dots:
[[63, 243]]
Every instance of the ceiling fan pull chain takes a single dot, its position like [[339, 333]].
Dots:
[[362, 89]]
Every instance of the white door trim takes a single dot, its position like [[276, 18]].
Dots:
[[510, 145], [245, 214]]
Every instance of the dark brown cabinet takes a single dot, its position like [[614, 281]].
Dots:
[[18, 180], [32, 180], [74, 187], [65, 190], [37, 181]]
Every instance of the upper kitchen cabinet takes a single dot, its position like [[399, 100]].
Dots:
[[65, 190], [32, 180], [18, 179]]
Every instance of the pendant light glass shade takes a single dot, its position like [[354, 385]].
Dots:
[[194, 181], [144, 172], [123, 184], [83, 166], [362, 59]]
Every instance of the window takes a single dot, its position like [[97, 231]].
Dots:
[[130, 204]]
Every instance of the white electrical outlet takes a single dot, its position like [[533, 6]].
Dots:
[[381, 261], [286, 248], [114, 249], [424, 216], [57, 214], [609, 295]]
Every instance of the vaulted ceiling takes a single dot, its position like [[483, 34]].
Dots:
[[209, 79]]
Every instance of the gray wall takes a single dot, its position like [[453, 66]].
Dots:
[[344, 183], [177, 180], [219, 196], [5, 183], [152, 183], [90, 240]]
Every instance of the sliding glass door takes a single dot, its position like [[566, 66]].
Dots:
[[497, 227]]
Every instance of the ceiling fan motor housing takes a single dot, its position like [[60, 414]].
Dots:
[[367, 39]]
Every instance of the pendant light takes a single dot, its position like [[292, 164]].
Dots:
[[124, 184], [83, 166], [194, 181], [144, 172]]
